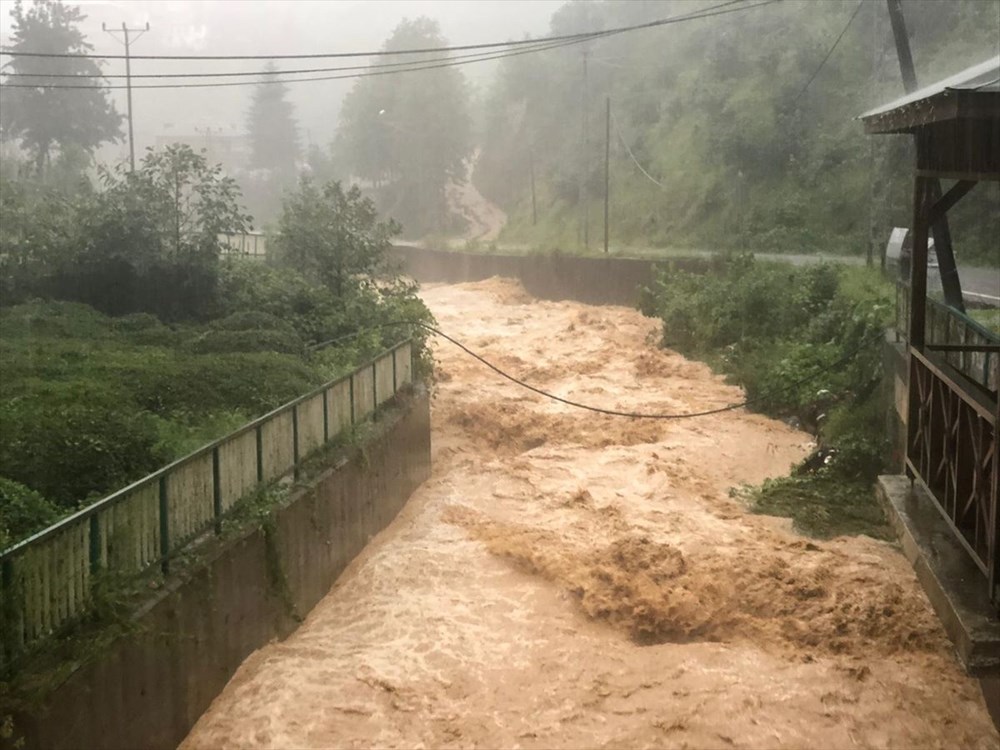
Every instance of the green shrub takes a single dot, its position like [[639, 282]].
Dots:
[[253, 383], [802, 341], [184, 433], [71, 440], [39, 318], [251, 320], [22, 512], [217, 342]]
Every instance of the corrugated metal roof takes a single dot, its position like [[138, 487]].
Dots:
[[982, 77]]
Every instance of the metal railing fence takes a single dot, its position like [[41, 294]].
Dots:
[[47, 580], [964, 343]]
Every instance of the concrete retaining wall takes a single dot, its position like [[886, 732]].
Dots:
[[149, 688], [592, 280]]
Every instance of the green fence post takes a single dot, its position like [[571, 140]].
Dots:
[[295, 441], [351, 382], [260, 455], [10, 642], [95, 543], [395, 383], [164, 526], [216, 490], [326, 416], [374, 388]]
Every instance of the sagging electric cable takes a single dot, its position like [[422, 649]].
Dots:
[[720, 9], [533, 46], [598, 409]]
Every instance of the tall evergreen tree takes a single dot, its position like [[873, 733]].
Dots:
[[41, 117], [409, 133], [274, 137]]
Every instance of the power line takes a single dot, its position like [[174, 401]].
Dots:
[[830, 52], [632, 156], [600, 409], [271, 80], [381, 53], [536, 45], [269, 73]]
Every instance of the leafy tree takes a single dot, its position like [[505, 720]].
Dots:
[[274, 137], [39, 227], [408, 134], [173, 207], [45, 117], [334, 236], [151, 242], [717, 111]]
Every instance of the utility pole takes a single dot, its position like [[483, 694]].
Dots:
[[947, 268], [607, 168], [582, 189], [902, 45], [872, 230], [128, 79], [531, 169]]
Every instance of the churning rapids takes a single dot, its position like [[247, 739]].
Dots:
[[571, 580]]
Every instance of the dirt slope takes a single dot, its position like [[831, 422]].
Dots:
[[571, 580], [484, 219]]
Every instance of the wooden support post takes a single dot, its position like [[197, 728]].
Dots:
[[918, 265], [943, 205], [950, 283]]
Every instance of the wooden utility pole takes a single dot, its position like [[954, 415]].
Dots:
[[947, 268], [128, 80], [607, 169]]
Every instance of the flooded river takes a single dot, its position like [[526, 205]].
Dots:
[[567, 579]]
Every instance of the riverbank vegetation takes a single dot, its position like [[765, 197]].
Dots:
[[128, 337], [806, 345], [719, 137]]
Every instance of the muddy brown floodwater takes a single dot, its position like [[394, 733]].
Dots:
[[571, 580]]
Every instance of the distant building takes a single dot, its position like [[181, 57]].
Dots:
[[232, 151], [252, 244]]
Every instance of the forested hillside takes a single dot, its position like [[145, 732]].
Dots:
[[717, 111]]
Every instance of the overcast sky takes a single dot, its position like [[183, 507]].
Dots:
[[220, 27]]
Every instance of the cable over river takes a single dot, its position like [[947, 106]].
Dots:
[[567, 579]]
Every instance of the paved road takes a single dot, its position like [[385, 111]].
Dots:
[[980, 284]]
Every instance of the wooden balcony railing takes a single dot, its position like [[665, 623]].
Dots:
[[953, 452]]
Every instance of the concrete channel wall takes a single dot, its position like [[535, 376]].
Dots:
[[591, 280], [149, 687]]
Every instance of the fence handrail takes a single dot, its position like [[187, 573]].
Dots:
[[972, 398], [106, 502], [971, 322]]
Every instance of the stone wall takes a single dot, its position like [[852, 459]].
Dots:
[[592, 280]]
